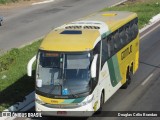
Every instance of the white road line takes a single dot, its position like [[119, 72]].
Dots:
[[118, 3], [149, 31], [47, 1], [147, 79]]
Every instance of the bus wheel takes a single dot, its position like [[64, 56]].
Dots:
[[101, 104], [128, 81], [130, 78]]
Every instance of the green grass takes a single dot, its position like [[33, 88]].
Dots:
[[14, 83], [145, 10], [8, 1]]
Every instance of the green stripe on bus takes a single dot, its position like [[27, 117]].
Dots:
[[114, 70], [78, 100]]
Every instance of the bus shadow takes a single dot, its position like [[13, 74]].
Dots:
[[17, 91]]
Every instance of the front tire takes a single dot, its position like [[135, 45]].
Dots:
[[101, 104]]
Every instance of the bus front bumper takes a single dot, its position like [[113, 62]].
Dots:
[[82, 111]]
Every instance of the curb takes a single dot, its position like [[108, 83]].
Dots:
[[150, 24], [118, 3]]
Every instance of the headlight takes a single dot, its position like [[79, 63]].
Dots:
[[87, 101], [40, 102]]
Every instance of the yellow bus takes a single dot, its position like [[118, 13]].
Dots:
[[80, 65]]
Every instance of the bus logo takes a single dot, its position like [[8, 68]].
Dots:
[[54, 101]]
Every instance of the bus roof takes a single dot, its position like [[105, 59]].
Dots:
[[84, 34]]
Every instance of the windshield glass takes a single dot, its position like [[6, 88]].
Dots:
[[63, 73]]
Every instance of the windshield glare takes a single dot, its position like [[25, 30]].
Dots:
[[63, 73]]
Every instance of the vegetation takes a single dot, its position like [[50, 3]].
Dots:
[[11, 1], [8, 1], [14, 82], [145, 9]]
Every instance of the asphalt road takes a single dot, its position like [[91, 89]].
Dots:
[[21, 26], [143, 94]]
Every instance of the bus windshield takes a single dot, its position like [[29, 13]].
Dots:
[[63, 73]]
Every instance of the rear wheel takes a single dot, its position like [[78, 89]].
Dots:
[[128, 81]]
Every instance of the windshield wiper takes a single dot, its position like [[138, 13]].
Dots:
[[54, 86]]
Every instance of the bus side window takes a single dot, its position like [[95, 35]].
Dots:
[[127, 34], [104, 51], [122, 36], [117, 40], [110, 46], [135, 28], [113, 40], [132, 32], [97, 48]]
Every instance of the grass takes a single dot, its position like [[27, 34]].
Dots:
[[145, 10], [15, 84], [10, 1]]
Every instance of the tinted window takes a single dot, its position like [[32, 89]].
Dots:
[[117, 40], [124, 35], [104, 51], [110, 46], [97, 48]]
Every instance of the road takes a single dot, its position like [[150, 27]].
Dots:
[[21, 26], [143, 94]]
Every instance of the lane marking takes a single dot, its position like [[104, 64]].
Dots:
[[149, 31], [147, 79], [47, 1], [118, 3]]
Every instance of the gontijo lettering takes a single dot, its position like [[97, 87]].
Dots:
[[126, 52]]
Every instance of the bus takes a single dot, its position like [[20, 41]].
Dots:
[[81, 64]]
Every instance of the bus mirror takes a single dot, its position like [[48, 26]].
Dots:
[[94, 66], [29, 66], [39, 83]]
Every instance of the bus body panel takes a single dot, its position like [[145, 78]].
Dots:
[[84, 36]]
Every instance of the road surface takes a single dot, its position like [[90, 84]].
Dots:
[[21, 26]]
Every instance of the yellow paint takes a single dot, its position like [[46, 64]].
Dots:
[[136, 61], [55, 41], [50, 100], [109, 14], [113, 19], [133, 57], [115, 24], [95, 106]]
